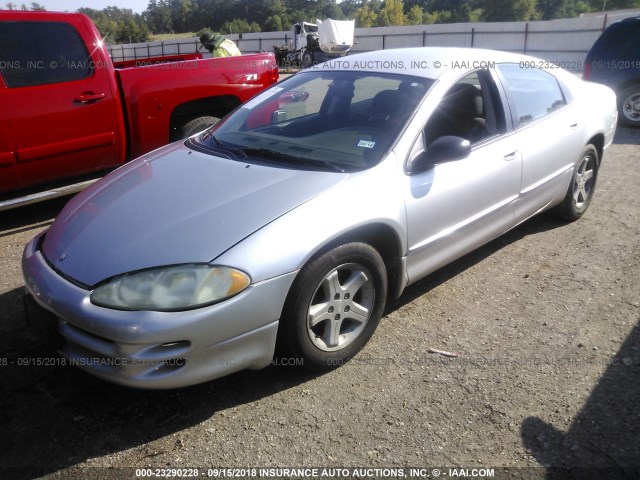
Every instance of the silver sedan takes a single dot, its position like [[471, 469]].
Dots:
[[294, 220]]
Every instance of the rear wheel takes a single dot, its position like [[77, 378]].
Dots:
[[197, 125], [582, 186], [629, 106], [334, 306]]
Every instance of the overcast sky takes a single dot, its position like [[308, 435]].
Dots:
[[137, 6]]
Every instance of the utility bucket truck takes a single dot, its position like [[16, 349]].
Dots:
[[317, 42]]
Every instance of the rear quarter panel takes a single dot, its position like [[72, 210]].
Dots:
[[597, 108]]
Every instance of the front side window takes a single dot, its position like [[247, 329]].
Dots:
[[471, 109], [40, 53], [534, 93], [344, 121]]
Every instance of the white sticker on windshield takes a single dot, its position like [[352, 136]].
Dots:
[[366, 144], [263, 96]]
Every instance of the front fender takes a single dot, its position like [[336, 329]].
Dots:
[[372, 197]]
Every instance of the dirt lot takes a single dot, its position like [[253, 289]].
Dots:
[[545, 321]]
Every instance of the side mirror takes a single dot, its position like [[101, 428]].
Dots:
[[445, 149]]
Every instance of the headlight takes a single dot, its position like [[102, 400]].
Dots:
[[181, 287]]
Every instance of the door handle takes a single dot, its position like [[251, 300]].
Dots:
[[574, 126], [510, 156], [89, 97]]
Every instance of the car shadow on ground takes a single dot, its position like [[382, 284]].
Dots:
[[30, 217], [538, 224], [603, 437], [627, 136], [56, 416]]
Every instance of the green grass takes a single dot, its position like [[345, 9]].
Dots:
[[171, 36]]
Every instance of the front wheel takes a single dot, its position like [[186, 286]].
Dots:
[[334, 306], [629, 106], [582, 186]]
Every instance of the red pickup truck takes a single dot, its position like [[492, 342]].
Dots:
[[68, 113]]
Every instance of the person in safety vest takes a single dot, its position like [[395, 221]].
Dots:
[[218, 45]]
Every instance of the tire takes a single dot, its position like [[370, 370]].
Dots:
[[629, 106], [197, 125], [582, 186], [307, 59], [334, 307]]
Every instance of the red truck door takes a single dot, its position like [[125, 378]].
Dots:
[[59, 105]]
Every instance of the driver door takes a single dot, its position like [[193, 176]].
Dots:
[[456, 206]]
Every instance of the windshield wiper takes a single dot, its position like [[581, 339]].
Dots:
[[220, 146], [218, 142], [265, 153]]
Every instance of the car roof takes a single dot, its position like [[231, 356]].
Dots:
[[46, 16], [427, 62], [631, 22]]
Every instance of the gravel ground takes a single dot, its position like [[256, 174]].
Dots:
[[545, 321]]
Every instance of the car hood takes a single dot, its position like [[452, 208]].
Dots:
[[170, 207]]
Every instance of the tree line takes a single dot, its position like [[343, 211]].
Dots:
[[119, 25]]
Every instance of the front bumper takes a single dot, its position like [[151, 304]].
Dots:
[[148, 349]]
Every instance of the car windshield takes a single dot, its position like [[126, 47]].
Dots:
[[341, 121]]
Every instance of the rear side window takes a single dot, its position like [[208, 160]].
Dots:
[[533, 93], [39, 53]]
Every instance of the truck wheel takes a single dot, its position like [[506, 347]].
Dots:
[[197, 125], [629, 106], [307, 59]]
